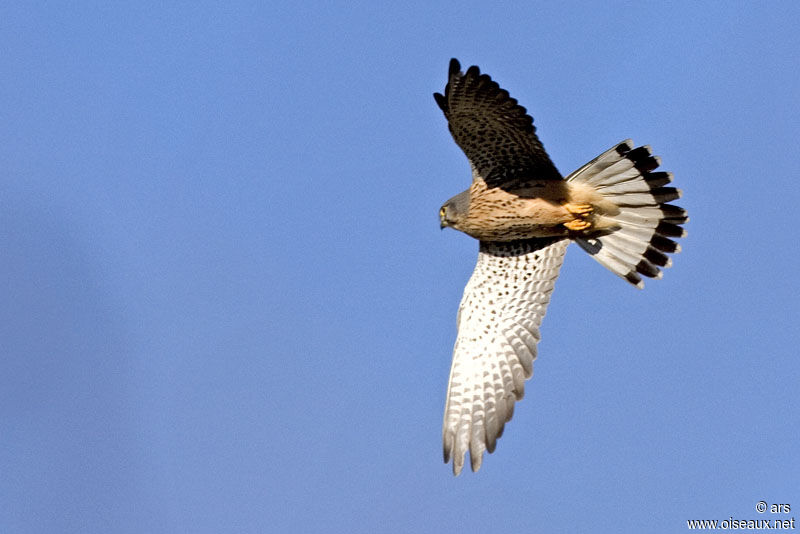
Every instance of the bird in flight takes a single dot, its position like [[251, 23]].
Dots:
[[524, 214]]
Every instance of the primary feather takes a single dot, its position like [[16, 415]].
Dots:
[[498, 329]]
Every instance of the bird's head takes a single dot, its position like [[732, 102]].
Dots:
[[454, 210]]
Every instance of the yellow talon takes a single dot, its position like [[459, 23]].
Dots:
[[576, 225], [581, 211], [579, 208]]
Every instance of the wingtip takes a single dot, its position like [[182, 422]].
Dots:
[[457, 467], [455, 66], [441, 101], [475, 462]]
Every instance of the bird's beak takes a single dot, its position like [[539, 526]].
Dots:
[[441, 224]]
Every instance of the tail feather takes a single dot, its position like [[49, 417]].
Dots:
[[617, 172], [629, 257], [666, 213], [638, 247], [636, 236], [648, 197], [643, 159], [657, 257], [598, 164], [670, 230]]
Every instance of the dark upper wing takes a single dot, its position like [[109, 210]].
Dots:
[[493, 130]]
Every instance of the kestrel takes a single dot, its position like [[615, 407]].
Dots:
[[524, 213]]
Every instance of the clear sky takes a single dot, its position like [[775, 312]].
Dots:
[[227, 305]]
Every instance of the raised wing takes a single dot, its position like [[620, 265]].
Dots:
[[493, 130], [498, 329]]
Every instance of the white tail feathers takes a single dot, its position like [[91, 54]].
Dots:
[[635, 237]]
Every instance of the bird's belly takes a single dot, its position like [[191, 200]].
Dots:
[[514, 218]]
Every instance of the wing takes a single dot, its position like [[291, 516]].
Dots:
[[498, 329], [493, 130]]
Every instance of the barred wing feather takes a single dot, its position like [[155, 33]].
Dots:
[[493, 130], [498, 330]]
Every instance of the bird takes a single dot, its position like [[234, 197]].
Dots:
[[524, 214]]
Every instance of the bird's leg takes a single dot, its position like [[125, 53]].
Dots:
[[581, 211], [576, 225]]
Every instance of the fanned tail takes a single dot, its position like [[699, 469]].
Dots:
[[636, 235]]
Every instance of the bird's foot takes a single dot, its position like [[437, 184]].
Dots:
[[581, 211], [576, 225]]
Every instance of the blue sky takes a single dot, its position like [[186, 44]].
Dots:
[[227, 305]]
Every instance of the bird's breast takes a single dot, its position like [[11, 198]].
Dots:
[[535, 211]]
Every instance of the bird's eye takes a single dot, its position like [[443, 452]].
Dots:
[[441, 212]]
